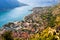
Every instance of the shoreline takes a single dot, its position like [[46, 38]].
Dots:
[[42, 23]]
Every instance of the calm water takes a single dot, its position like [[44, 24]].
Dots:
[[16, 14]]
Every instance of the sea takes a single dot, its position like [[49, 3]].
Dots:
[[16, 14]]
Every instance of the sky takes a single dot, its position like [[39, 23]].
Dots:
[[39, 2]]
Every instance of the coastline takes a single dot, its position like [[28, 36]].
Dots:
[[16, 14], [41, 23]]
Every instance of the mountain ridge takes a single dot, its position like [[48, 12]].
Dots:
[[10, 4]]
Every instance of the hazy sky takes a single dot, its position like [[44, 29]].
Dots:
[[39, 2]]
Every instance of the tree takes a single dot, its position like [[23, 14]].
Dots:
[[7, 35]]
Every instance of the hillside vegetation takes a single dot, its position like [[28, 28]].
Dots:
[[42, 24]]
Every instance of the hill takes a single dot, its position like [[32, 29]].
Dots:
[[42, 24], [9, 4]]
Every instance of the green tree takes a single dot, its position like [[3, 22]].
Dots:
[[7, 35]]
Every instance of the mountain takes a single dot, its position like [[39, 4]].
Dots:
[[9, 4]]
